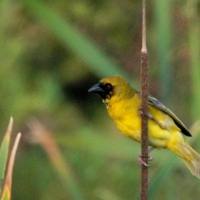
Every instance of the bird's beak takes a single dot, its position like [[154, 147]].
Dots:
[[96, 89]]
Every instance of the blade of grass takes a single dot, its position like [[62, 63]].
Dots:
[[6, 194], [69, 36], [64, 170], [163, 29], [194, 48], [4, 150]]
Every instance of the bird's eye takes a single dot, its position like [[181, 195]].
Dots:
[[108, 87]]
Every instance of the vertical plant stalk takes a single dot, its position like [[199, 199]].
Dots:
[[144, 94]]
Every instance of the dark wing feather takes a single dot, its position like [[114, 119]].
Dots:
[[155, 103]]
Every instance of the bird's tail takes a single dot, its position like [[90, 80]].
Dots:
[[191, 158]]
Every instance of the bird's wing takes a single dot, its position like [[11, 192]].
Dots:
[[157, 104]]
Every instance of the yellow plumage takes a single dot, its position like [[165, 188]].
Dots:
[[165, 130]]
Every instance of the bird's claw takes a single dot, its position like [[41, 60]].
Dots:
[[141, 161], [150, 158], [141, 113]]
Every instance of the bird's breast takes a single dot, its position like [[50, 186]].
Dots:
[[126, 118]]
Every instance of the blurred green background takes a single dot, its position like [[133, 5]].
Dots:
[[51, 52]]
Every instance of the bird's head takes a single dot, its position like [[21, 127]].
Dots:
[[114, 86]]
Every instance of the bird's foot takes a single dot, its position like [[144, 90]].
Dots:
[[141, 113], [141, 161], [150, 158]]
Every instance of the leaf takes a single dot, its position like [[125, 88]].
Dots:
[[6, 194], [4, 150], [84, 47]]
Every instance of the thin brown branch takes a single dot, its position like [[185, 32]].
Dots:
[[144, 91]]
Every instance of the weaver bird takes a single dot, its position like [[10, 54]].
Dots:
[[165, 130]]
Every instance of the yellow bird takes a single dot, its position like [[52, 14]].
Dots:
[[165, 130]]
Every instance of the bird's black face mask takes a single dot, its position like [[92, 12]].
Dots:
[[103, 90]]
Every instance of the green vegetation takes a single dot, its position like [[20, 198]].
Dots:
[[52, 52], [7, 162]]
